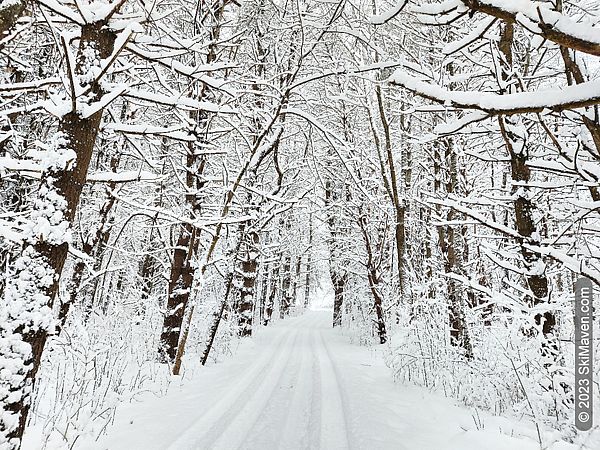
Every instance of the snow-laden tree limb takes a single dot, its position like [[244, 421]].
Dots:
[[572, 263], [175, 132], [557, 100], [537, 17], [29, 86], [122, 177]]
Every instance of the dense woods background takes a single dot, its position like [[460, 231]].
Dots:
[[175, 175]]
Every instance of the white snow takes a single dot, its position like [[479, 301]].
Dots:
[[487, 101], [300, 384], [62, 10], [180, 101], [122, 177], [388, 15], [534, 11]]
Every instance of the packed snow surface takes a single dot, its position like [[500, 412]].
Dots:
[[302, 385]]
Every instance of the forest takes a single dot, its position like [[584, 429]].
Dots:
[[368, 202]]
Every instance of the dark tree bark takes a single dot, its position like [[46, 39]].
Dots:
[[180, 284], [92, 246], [217, 317], [338, 278], [77, 133], [308, 264], [182, 273], [262, 295], [448, 243], [295, 279], [339, 286], [536, 279], [181, 277], [518, 152], [10, 14], [286, 298], [393, 189], [373, 266], [270, 305], [249, 267]]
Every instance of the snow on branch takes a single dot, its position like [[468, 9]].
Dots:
[[62, 10], [94, 11], [179, 102], [122, 177], [572, 263], [557, 100], [385, 17], [18, 165], [32, 169], [197, 72], [443, 13], [29, 86], [496, 297], [9, 232], [478, 31], [176, 133], [538, 18]]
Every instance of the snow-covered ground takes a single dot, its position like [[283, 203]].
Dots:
[[302, 385]]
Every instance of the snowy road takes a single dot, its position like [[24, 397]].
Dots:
[[300, 385], [289, 395]]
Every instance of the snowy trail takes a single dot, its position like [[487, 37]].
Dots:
[[271, 406], [301, 385]]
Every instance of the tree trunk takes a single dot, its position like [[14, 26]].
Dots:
[[272, 294], [180, 284], [338, 279], [182, 272], [517, 148], [307, 282], [43, 258], [393, 187], [339, 285], [447, 241], [249, 266], [374, 278], [285, 298], [378, 305], [10, 14], [262, 297], [294, 293], [217, 317]]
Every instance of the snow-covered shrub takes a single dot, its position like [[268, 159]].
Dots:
[[506, 374]]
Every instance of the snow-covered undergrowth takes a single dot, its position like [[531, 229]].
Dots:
[[98, 364], [87, 372], [506, 375]]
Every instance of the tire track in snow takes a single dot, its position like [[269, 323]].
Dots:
[[270, 424], [215, 417], [315, 401], [231, 432], [346, 404], [295, 432], [334, 429], [233, 429]]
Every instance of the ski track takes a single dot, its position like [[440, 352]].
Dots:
[[290, 398], [220, 418], [301, 386], [334, 430]]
